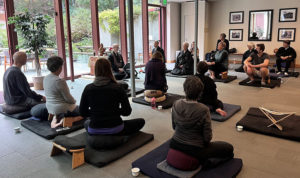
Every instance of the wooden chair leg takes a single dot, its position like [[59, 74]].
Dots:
[[55, 151], [77, 159]]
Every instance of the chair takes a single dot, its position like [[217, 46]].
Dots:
[[6, 59]]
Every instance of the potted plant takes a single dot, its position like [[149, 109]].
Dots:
[[32, 29]]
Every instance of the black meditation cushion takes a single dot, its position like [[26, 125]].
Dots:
[[106, 141], [14, 109]]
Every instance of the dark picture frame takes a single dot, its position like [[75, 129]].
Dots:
[[236, 34], [236, 17], [286, 34], [271, 24], [287, 15]]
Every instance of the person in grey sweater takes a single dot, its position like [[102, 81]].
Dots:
[[192, 123], [59, 100], [220, 63]]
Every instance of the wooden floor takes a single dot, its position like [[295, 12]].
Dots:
[[28, 155]]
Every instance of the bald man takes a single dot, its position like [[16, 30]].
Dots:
[[184, 62], [17, 91], [159, 49], [117, 64]]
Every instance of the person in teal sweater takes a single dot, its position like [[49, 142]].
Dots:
[[220, 62]]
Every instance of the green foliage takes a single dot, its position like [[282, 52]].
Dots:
[[3, 38], [32, 28], [81, 24], [111, 17], [107, 4]]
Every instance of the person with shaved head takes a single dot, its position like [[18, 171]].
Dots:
[[184, 62], [117, 64], [17, 91], [158, 49]]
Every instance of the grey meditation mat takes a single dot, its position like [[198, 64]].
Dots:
[[229, 78], [148, 165], [291, 74], [43, 129], [19, 116], [256, 121], [101, 158], [165, 167], [177, 76], [231, 110], [168, 103], [257, 83]]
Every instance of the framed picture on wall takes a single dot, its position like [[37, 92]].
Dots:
[[235, 34], [288, 15], [236, 17], [286, 34]]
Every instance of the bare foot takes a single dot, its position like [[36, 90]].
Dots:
[[54, 123], [221, 112]]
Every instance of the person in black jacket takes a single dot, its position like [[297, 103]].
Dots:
[[184, 62], [104, 102], [209, 96], [223, 39], [159, 49], [285, 54], [17, 91], [117, 63], [155, 76], [251, 49]]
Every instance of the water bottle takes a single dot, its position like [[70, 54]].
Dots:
[[153, 103]]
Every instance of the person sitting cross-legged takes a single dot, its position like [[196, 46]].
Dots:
[[256, 65], [60, 102], [220, 61], [209, 96], [184, 62], [155, 78], [117, 64], [285, 54], [17, 90], [104, 101], [193, 133]]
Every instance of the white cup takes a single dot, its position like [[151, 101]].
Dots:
[[135, 171], [159, 107], [17, 129], [239, 128]]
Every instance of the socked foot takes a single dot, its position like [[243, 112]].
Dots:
[[221, 112]]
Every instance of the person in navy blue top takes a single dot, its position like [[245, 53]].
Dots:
[[155, 78]]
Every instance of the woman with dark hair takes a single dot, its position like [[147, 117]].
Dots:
[[209, 96], [192, 123], [59, 101], [155, 77], [104, 102]]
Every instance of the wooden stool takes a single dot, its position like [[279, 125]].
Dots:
[[77, 154], [224, 75]]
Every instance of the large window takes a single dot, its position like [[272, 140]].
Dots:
[[3, 42], [44, 7], [81, 32]]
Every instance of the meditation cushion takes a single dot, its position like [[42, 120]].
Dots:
[[14, 109], [182, 161], [157, 94], [99, 142], [40, 111]]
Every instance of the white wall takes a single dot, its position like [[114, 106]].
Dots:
[[219, 22], [188, 25], [173, 30]]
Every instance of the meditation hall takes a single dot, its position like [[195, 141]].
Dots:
[[150, 88]]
